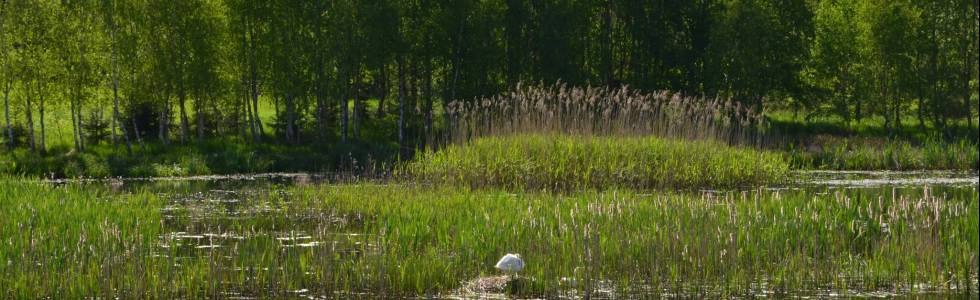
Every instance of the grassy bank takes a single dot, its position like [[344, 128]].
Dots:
[[574, 162], [833, 143], [392, 240], [206, 157], [856, 153]]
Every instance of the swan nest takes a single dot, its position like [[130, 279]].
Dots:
[[487, 285]]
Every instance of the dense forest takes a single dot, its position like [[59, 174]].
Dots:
[[129, 71]]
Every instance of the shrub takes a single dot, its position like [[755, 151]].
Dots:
[[96, 128]]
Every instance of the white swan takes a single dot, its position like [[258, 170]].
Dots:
[[510, 263]]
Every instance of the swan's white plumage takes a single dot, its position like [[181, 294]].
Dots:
[[510, 263]]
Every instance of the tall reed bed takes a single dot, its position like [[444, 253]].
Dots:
[[573, 162], [592, 110]]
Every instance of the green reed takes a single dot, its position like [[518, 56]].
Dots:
[[405, 240], [569, 162], [871, 154], [67, 241], [634, 242]]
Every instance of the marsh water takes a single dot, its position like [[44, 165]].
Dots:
[[221, 217]]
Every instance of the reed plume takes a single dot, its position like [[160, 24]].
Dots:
[[590, 110]]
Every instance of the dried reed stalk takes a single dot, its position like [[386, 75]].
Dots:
[[589, 110]]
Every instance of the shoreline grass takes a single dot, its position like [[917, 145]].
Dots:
[[572, 162], [826, 152], [207, 157]]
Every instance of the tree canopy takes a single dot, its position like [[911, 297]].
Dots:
[[190, 69]]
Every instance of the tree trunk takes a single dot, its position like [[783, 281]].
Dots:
[[164, 122], [40, 110], [358, 105], [401, 111], [199, 116], [181, 99], [321, 126], [245, 123], [427, 105], [30, 123], [6, 113], [136, 132], [857, 110], [253, 69], [934, 75], [921, 113], [216, 114], [607, 43], [115, 103], [343, 110], [6, 74], [74, 123], [246, 111], [78, 118], [968, 69], [898, 118], [383, 89], [290, 118]]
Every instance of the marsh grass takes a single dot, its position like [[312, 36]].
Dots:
[[71, 241], [574, 162], [719, 242], [568, 138], [371, 240], [933, 153]]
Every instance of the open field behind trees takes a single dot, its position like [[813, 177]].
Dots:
[[325, 77]]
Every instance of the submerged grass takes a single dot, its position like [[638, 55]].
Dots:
[[396, 240], [572, 162]]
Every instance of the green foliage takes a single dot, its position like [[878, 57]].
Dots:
[[575, 162], [206, 68]]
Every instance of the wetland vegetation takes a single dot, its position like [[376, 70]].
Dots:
[[624, 149], [295, 238]]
